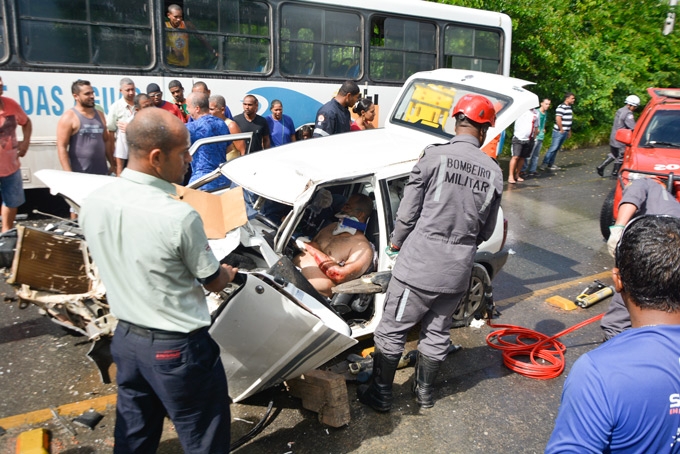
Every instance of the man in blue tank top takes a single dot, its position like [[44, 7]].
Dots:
[[83, 142]]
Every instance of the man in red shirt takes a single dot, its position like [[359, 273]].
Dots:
[[11, 185], [154, 92]]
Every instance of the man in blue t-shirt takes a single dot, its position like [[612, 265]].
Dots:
[[625, 395], [281, 127]]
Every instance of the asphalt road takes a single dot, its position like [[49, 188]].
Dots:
[[481, 406]]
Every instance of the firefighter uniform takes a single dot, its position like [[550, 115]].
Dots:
[[649, 197], [450, 206], [332, 118]]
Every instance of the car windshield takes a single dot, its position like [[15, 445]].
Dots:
[[663, 130], [427, 105]]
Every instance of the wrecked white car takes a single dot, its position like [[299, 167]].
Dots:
[[270, 323]]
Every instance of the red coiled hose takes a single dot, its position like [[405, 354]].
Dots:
[[534, 345]]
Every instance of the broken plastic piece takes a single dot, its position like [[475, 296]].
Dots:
[[63, 422], [561, 302], [89, 419], [36, 441]]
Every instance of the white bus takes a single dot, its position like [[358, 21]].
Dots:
[[297, 51]]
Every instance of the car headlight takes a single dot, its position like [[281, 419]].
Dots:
[[635, 176]]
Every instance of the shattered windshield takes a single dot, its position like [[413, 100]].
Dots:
[[427, 105], [663, 130]]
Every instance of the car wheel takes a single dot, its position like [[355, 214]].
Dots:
[[607, 214], [474, 302]]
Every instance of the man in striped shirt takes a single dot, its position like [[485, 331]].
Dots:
[[561, 131]]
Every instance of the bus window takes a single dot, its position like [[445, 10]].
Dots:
[[87, 32], [468, 48], [400, 48], [318, 42], [228, 35], [3, 33]]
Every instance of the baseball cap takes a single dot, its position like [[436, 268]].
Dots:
[[152, 88]]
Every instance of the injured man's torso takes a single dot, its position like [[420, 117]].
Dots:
[[331, 259]]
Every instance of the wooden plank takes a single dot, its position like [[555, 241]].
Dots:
[[324, 393]]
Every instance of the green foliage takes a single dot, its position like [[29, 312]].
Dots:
[[601, 50]]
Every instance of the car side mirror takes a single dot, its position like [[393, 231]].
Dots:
[[624, 136]]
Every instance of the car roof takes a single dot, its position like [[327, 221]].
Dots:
[[285, 173], [662, 95]]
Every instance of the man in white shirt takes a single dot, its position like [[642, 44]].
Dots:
[[120, 114], [526, 128]]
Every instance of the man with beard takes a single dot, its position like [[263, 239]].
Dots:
[[83, 142]]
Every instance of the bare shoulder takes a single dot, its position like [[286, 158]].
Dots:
[[68, 120], [233, 127], [362, 243]]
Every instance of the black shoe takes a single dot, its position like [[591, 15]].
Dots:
[[600, 169], [615, 171], [377, 393], [423, 382]]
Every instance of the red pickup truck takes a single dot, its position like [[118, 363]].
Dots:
[[652, 148]]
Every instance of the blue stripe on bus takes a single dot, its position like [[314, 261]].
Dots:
[[300, 107]]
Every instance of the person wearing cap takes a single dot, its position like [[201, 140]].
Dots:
[[154, 92], [450, 206], [623, 119]]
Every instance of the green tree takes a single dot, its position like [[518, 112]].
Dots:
[[600, 50]]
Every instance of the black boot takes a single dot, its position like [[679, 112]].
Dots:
[[600, 169], [615, 170], [423, 382], [377, 393]]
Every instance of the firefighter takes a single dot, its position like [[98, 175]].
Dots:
[[449, 207], [640, 197], [623, 119]]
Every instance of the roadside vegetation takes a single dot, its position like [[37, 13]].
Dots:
[[600, 50]]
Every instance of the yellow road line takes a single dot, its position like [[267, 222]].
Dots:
[[74, 409], [101, 403], [550, 290]]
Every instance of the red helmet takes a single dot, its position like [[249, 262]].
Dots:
[[477, 108]]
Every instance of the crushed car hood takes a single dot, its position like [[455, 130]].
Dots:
[[73, 186]]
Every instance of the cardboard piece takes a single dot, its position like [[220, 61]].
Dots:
[[220, 213]]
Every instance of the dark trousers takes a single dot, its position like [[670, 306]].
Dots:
[[182, 377]]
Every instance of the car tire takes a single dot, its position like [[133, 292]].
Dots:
[[607, 214], [474, 301]]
